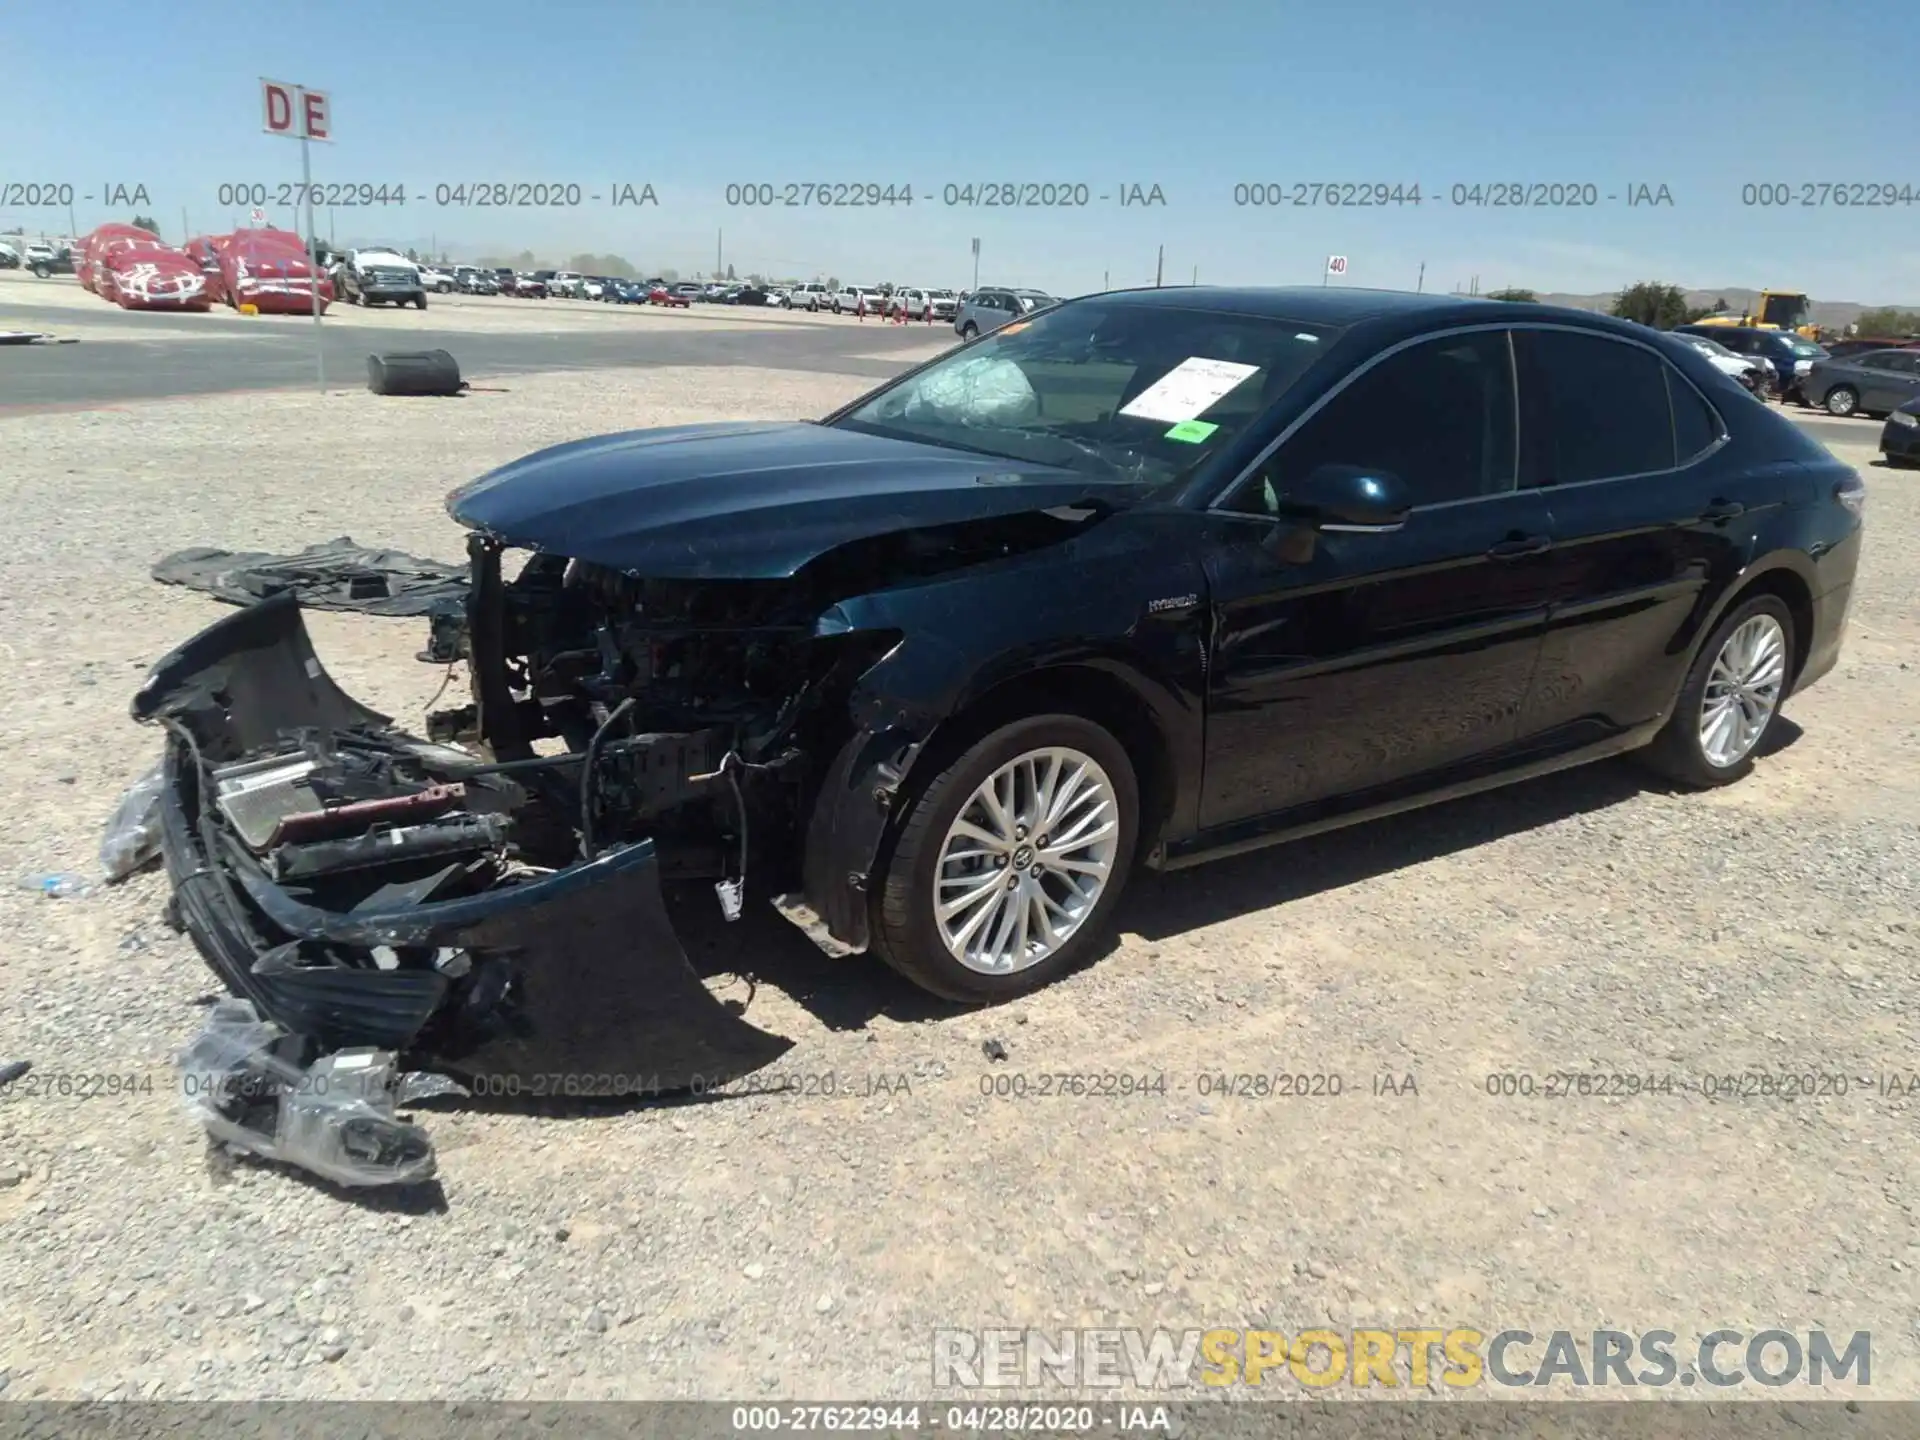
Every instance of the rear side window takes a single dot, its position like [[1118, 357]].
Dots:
[[1592, 408], [1696, 424]]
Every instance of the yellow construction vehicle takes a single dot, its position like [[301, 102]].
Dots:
[[1777, 310]]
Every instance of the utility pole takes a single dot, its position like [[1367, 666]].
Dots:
[[1159, 267], [73, 225], [719, 242], [1196, 274], [186, 230], [1420, 285]]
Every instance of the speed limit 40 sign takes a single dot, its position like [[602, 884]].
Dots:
[[1336, 264]]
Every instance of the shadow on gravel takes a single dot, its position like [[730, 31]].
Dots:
[[845, 994], [1158, 906]]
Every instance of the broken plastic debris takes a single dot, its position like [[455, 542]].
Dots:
[[132, 838], [58, 887], [732, 897], [334, 1117], [424, 1085]]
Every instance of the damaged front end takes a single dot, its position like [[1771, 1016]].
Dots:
[[364, 888]]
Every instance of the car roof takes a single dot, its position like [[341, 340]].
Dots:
[[1351, 306]]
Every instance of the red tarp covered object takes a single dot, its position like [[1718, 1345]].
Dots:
[[144, 274]]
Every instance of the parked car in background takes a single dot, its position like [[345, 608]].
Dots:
[[812, 295], [987, 310], [532, 286], [483, 282], [505, 280], [943, 304], [565, 284], [145, 274], [747, 295], [1845, 349], [589, 287], [271, 271], [1756, 373], [680, 296], [9, 257], [48, 261], [847, 299], [1876, 383], [1791, 354], [378, 277], [1900, 436], [440, 282]]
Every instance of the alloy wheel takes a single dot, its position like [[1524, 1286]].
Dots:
[[1743, 691], [1841, 401], [1026, 860]]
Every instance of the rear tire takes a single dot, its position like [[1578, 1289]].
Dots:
[[969, 331], [1682, 751], [911, 937], [420, 301], [1842, 400]]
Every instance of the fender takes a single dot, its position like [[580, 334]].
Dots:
[[904, 701]]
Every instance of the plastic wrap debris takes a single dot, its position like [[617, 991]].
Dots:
[[424, 1085], [334, 1117], [132, 838], [65, 885]]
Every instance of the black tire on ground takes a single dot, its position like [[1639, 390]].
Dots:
[[1675, 752], [420, 301], [905, 933], [416, 372]]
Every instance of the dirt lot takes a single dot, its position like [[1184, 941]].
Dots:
[[772, 1246]]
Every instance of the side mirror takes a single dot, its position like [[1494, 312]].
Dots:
[[1350, 498]]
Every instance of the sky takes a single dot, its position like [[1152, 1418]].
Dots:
[[1701, 97]]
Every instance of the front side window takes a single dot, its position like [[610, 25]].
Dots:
[[1596, 408], [1124, 391], [1438, 415]]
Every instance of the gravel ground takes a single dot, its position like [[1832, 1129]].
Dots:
[[774, 1246]]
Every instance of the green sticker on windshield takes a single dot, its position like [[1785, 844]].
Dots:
[[1191, 431]]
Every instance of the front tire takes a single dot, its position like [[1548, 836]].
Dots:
[[1731, 699], [1842, 400], [1009, 863], [420, 301], [969, 331]]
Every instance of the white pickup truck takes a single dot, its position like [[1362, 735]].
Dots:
[[566, 282]]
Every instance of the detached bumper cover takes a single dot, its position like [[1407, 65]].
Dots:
[[565, 983]]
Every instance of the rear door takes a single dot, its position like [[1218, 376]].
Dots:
[[1648, 526]]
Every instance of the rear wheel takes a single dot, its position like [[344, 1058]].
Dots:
[[1010, 862], [1731, 698], [969, 330], [420, 301], [1842, 400]]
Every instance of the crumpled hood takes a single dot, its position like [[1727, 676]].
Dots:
[[748, 501]]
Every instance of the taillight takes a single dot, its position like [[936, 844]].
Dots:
[[1852, 493]]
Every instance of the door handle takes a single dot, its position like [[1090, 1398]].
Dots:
[[1516, 546], [1723, 510]]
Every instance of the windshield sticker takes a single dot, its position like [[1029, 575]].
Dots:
[[1191, 431], [1187, 390]]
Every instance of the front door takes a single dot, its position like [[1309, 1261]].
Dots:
[[1892, 378], [1376, 658]]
